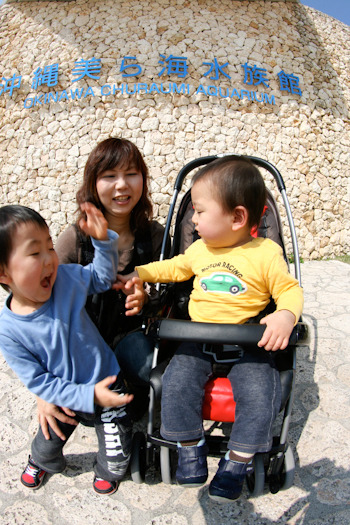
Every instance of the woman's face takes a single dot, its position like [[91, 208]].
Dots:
[[119, 190]]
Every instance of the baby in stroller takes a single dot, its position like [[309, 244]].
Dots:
[[235, 277]]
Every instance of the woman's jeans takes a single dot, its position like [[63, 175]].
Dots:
[[134, 354], [256, 388], [114, 432]]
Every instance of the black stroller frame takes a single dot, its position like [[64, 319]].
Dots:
[[276, 467]]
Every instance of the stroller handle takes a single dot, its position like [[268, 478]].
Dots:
[[206, 160], [215, 333]]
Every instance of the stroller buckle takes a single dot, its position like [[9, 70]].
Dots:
[[224, 353]]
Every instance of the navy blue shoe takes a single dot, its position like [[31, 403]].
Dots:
[[192, 468], [227, 484]]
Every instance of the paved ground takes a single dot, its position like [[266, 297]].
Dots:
[[319, 436]]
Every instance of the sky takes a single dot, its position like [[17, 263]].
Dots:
[[339, 9]]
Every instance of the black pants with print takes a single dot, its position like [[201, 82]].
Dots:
[[114, 432]]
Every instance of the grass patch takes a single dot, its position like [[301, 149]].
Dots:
[[292, 260], [343, 258]]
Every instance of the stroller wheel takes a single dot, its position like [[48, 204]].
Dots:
[[138, 458], [286, 474], [256, 480], [166, 464], [283, 479]]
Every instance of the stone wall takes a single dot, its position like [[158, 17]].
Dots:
[[46, 136]]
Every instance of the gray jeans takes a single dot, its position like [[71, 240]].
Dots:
[[256, 388], [114, 432]]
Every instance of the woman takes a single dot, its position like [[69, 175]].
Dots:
[[116, 182]]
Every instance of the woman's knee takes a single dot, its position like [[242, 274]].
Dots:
[[134, 354]]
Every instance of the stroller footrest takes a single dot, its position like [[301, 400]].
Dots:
[[156, 439]]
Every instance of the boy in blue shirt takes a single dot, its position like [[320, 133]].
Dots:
[[49, 341]]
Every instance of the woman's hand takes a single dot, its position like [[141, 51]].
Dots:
[[95, 224], [48, 414], [106, 397], [136, 296]]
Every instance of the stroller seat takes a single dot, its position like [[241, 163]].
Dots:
[[219, 403]]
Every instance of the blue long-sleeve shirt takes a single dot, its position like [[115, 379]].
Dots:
[[57, 351]]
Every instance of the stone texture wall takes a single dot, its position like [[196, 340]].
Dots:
[[44, 143]]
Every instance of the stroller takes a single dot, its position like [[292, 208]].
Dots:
[[276, 467]]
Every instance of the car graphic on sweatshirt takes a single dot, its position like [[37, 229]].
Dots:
[[222, 283]]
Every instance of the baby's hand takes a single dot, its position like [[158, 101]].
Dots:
[[136, 296], [122, 280], [106, 397], [95, 225], [279, 326]]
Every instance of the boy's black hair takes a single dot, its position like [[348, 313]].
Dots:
[[236, 181], [11, 217]]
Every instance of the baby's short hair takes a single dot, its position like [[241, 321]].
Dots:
[[236, 181], [12, 216]]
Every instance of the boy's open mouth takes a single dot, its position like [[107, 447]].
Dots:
[[46, 282]]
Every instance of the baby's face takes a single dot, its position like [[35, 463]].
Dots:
[[32, 268], [213, 223]]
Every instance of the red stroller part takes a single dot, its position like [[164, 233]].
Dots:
[[219, 404]]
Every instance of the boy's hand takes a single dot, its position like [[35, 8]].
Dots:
[[106, 397], [48, 414], [95, 225], [279, 326], [136, 296]]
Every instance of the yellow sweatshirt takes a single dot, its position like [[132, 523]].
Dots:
[[231, 285]]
